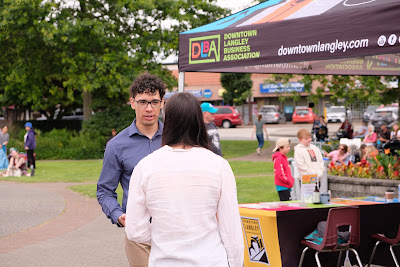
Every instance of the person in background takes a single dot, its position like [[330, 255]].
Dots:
[[366, 151], [320, 128], [30, 145], [112, 135], [383, 137], [340, 155], [354, 152], [189, 193], [371, 137], [307, 156], [4, 138], [395, 133], [258, 130], [125, 150], [363, 130], [213, 136], [347, 129], [17, 166], [283, 177]]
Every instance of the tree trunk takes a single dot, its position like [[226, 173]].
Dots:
[[87, 102]]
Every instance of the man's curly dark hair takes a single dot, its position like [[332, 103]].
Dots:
[[147, 83]]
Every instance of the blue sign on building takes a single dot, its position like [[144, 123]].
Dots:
[[196, 93], [271, 88], [168, 94], [207, 93]]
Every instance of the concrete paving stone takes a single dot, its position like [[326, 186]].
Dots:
[[98, 243], [23, 206]]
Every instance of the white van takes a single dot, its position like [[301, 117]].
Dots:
[[337, 114]]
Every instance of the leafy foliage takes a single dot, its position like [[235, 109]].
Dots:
[[101, 123], [52, 51], [238, 87], [63, 144]]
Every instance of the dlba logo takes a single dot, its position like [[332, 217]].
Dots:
[[204, 49]]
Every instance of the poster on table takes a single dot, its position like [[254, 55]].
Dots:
[[254, 240], [308, 183]]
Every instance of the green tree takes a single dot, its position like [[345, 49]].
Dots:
[[237, 87], [88, 51]]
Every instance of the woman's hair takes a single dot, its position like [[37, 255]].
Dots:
[[372, 128], [259, 117], [184, 122], [395, 132], [345, 148]]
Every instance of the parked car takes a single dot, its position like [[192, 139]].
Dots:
[[227, 117], [271, 114], [369, 112], [303, 115], [385, 116], [337, 114]]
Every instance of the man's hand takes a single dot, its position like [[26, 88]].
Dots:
[[27, 148], [121, 219]]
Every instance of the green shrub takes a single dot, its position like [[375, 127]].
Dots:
[[101, 123], [63, 144]]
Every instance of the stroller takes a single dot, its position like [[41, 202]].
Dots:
[[393, 145], [320, 134], [343, 134]]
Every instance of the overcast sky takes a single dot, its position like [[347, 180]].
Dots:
[[236, 5]]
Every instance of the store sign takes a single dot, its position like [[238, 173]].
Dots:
[[196, 93], [207, 93], [271, 88]]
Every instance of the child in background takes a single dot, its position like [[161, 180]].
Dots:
[[307, 156], [283, 177], [30, 145]]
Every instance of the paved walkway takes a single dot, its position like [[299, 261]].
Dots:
[[51, 225]]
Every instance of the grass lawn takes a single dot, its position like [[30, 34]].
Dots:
[[234, 149], [62, 171], [250, 189], [258, 188]]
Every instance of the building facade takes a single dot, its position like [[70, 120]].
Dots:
[[207, 88]]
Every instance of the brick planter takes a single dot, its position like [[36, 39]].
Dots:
[[342, 186]]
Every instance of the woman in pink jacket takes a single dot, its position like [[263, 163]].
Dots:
[[283, 176]]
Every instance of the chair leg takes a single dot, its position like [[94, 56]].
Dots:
[[358, 258], [302, 256], [338, 260], [373, 252], [317, 259], [394, 256]]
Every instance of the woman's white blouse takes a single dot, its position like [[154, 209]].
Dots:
[[192, 200]]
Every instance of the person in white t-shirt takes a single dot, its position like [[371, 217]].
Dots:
[[190, 195], [395, 134], [307, 156]]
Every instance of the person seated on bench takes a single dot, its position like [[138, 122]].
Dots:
[[346, 129], [363, 130], [371, 137]]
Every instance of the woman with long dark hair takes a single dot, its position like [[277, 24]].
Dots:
[[189, 193]]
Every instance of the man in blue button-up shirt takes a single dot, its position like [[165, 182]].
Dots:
[[126, 149]]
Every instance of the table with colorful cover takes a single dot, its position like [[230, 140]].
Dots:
[[272, 231]]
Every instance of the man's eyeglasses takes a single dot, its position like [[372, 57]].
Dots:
[[144, 103]]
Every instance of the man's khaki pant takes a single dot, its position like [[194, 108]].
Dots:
[[137, 253]]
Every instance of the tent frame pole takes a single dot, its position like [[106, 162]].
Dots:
[[181, 81]]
